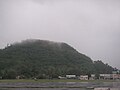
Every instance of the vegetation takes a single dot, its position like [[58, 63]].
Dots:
[[45, 59]]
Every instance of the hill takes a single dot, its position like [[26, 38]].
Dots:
[[46, 59]]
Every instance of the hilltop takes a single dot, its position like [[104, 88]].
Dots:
[[46, 59]]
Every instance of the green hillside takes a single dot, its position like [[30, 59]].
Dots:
[[46, 59]]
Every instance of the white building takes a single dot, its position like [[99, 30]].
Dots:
[[60, 77], [116, 76], [105, 76], [92, 77], [83, 77], [70, 76]]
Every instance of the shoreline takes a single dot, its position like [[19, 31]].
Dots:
[[54, 80]]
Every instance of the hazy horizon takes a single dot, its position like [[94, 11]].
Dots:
[[92, 27]]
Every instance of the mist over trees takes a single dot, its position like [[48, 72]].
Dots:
[[46, 59]]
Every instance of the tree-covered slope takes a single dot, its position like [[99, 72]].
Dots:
[[45, 59]]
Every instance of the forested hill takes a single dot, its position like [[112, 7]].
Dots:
[[46, 59]]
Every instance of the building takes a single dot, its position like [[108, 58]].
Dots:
[[71, 76], [92, 77], [106, 76], [83, 77], [60, 77], [116, 76]]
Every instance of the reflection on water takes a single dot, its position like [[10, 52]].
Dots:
[[61, 86], [47, 89], [59, 89]]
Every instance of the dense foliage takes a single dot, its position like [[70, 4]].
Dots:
[[46, 59]]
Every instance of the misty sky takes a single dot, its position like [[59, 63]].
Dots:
[[92, 27]]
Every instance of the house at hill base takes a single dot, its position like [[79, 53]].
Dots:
[[105, 76], [116, 76], [71, 76], [60, 77], [92, 77], [83, 77]]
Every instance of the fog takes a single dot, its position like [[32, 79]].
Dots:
[[92, 27]]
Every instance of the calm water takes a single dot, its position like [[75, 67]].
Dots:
[[46, 89], [56, 89], [60, 86]]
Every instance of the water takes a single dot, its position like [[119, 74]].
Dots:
[[60, 86], [45, 89], [58, 89]]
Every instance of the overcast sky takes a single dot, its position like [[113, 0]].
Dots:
[[92, 27]]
